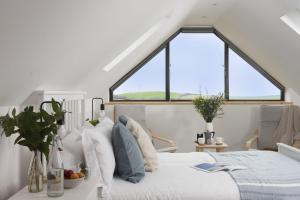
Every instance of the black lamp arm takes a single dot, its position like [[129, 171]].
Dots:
[[102, 107], [49, 102], [62, 121]]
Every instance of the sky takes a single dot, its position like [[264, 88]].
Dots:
[[197, 65]]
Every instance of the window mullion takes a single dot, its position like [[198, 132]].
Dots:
[[226, 71], [168, 72]]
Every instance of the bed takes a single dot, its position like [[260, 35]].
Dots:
[[176, 179], [276, 178]]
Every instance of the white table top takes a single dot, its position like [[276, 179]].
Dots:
[[87, 190]]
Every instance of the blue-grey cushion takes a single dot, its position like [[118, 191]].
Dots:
[[129, 159], [123, 119]]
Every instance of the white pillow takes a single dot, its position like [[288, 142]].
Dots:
[[98, 148], [89, 152], [105, 126], [72, 154], [147, 148]]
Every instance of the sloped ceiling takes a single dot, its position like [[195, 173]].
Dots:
[[64, 44], [54, 44], [255, 27]]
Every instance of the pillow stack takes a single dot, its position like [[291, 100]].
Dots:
[[123, 148]]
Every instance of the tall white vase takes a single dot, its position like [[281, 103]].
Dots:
[[209, 127]]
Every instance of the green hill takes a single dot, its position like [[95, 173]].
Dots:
[[160, 95]]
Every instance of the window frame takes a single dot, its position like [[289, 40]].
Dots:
[[227, 45]]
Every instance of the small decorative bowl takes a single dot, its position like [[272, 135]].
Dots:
[[72, 183]]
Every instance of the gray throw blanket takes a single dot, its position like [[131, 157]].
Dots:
[[269, 175], [288, 129]]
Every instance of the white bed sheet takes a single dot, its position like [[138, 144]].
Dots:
[[175, 179]]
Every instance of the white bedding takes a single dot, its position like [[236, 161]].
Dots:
[[175, 179]]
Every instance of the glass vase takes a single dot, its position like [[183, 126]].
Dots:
[[55, 170], [35, 173]]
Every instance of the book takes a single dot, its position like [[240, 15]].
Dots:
[[215, 167]]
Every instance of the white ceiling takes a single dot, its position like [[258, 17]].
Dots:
[[64, 44], [208, 12]]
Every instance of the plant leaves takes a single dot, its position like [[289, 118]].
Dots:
[[14, 112], [209, 106], [35, 129], [18, 139], [55, 106]]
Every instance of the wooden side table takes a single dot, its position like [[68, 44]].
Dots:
[[217, 147]]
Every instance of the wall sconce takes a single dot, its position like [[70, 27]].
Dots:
[[61, 132], [102, 108]]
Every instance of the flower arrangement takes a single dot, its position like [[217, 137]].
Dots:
[[209, 106]]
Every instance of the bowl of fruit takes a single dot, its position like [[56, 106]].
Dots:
[[72, 179]]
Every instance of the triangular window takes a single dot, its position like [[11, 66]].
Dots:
[[194, 61]]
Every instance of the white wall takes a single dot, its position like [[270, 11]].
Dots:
[[182, 122], [292, 96], [14, 162]]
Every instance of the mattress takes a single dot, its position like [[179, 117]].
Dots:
[[175, 179]]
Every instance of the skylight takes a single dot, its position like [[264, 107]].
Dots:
[[292, 19]]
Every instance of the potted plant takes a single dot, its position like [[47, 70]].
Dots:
[[34, 130], [209, 107]]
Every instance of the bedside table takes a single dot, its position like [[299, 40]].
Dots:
[[87, 190], [217, 147]]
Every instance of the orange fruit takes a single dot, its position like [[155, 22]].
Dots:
[[80, 174], [74, 176]]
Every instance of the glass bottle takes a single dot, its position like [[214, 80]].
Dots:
[[55, 170], [35, 173]]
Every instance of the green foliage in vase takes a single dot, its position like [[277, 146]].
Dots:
[[209, 106], [59, 112], [35, 130], [93, 122]]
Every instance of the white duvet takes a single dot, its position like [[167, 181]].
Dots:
[[175, 179]]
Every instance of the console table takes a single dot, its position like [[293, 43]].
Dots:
[[87, 190], [217, 147]]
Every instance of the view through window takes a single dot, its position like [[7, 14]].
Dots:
[[197, 65], [148, 83], [246, 83]]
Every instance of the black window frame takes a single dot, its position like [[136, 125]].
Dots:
[[227, 45]]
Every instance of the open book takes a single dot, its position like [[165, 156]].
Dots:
[[214, 167]]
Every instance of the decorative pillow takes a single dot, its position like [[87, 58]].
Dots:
[[100, 140], [147, 148], [129, 159], [123, 119]]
